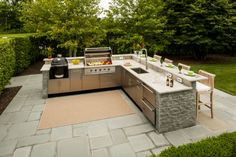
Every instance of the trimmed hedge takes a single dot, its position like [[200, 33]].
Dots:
[[7, 62], [221, 146], [16, 54]]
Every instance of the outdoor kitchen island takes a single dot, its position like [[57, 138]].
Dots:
[[167, 108]]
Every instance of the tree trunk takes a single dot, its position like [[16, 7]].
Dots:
[[74, 54], [70, 52]]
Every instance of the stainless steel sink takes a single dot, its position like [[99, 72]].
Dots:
[[139, 70]]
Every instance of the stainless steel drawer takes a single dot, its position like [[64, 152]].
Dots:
[[149, 95], [149, 111]]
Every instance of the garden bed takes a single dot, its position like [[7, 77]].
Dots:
[[6, 96]]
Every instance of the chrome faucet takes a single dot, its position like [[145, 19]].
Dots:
[[146, 55]]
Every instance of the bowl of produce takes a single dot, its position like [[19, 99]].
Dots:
[[75, 61]]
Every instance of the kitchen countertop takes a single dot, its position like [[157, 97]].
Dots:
[[154, 79], [174, 70]]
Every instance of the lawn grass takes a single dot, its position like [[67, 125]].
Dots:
[[221, 146], [225, 74]]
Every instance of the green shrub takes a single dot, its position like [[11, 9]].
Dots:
[[16, 54], [7, 62], [221, 146], [22, 48]]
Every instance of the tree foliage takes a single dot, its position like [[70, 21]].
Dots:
[[201, 25], [71, 22], [133, 22], [9, 16], [195, 27]]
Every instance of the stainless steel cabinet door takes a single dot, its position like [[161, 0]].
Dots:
[[108, 80], [56, 86], [76, 80], [90, 82]]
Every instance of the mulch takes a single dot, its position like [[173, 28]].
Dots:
[[33, 69], [7, 95]]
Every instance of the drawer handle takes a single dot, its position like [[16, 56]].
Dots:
[[151, 109], [147, 88]]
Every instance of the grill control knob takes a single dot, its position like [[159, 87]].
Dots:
[[108, 69], [100, 69], [95, 69]]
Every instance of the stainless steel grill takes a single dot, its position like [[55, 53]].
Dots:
[[98, 60]]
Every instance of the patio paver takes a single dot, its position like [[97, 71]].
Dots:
[[123, 150], [22, 129], [61, 133], [44, 150], [158, 139], [31, 140], [100, 142], [144, 154], [159, 150], [22, 152], [118, 136], [140, 142], [177, 138], [134, 130], [7, 147], [127, 136], [100, 153], [75, 147]]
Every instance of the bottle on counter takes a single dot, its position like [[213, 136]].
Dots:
[[171, 81], [167, 81]]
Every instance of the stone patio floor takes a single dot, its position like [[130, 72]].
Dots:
[[125, 136]]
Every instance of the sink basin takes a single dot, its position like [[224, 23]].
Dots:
[[139, 70]]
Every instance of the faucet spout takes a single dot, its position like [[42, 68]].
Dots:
[[146, 56]]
